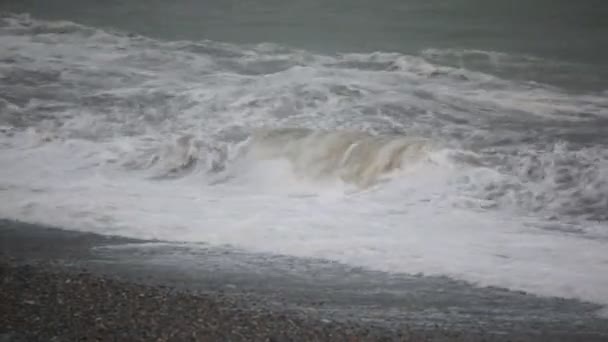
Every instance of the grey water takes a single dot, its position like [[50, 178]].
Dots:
[[519, 88], [558, 42], [526, 84]]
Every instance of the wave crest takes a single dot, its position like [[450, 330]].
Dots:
[[353, 157]]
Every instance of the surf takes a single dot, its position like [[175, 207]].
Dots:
[[354, 157]]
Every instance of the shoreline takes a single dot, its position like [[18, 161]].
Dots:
[[69, 285], [58, 305]]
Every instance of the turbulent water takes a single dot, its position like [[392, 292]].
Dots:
[[393, 161]]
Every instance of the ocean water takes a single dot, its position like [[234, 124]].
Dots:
[[464, 139]]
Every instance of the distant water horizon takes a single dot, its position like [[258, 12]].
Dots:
[[560, 42]]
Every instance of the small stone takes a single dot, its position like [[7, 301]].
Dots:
[[6, 337]]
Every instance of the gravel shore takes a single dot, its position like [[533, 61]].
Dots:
[[40, 304], [51, 305], [57, 285]]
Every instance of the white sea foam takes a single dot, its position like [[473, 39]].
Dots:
[[378, 160]]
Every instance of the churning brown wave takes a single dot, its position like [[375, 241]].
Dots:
[[354, 157]]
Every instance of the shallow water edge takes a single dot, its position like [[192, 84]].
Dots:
[[326, 291]]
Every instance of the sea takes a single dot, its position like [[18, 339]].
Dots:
[[464, 139]]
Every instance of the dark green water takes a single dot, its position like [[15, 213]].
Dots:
[[558, 42]]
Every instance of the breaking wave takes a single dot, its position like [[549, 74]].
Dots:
[[357, 158], [353, 157]]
